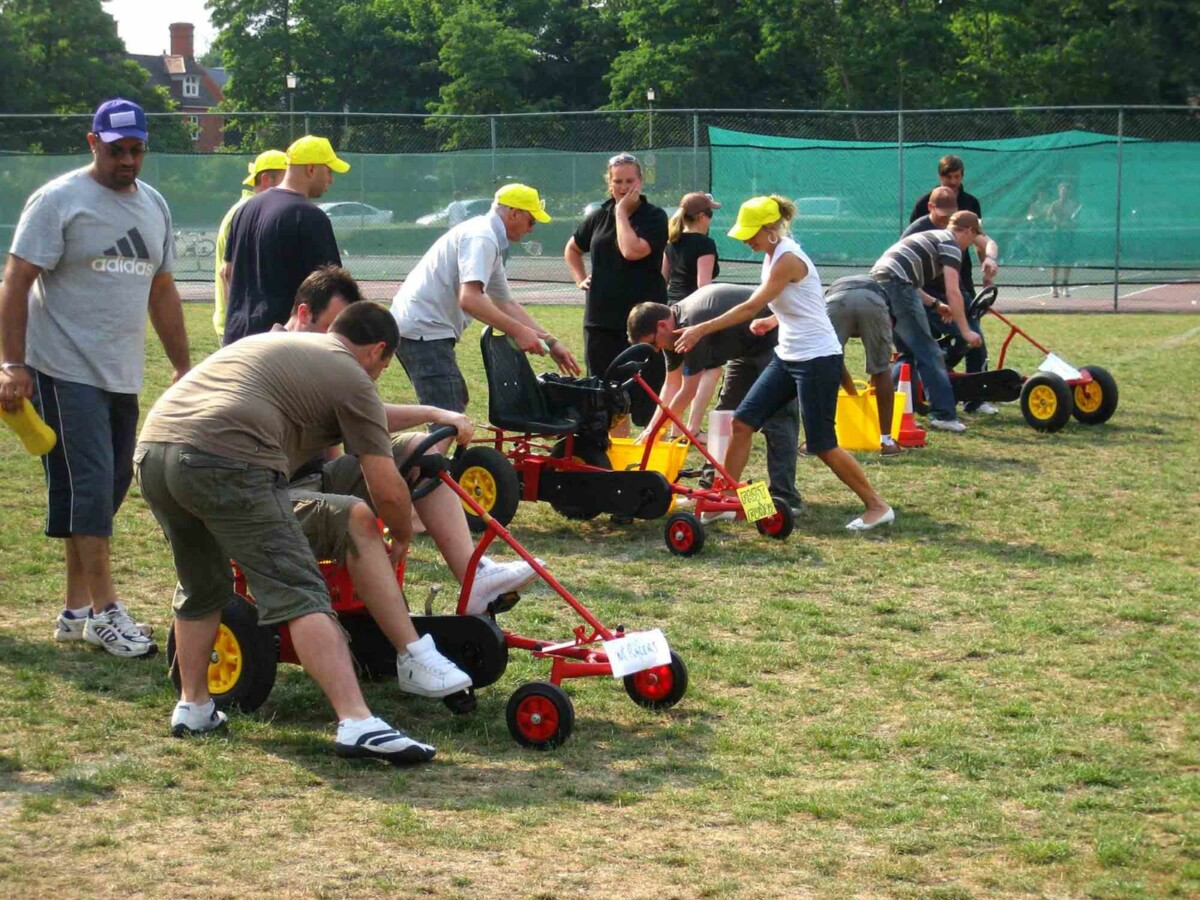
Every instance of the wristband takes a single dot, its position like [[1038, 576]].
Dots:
[[10, 366]]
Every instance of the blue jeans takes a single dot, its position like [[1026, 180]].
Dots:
[[912, 327], [814, 381]]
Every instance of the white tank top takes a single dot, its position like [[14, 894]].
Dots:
[[805, 331]]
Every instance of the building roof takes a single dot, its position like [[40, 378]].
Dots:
[[167, 71]]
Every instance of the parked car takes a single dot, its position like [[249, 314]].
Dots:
[[351, 213], [474, 206]]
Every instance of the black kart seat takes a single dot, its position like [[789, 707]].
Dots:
[[515, 398]]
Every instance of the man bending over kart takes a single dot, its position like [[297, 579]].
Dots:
[[460, 278], [744, 350], [213, 462], [943, 203], [903, 270], [330, 496]]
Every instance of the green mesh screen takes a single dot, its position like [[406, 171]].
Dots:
[[848, 211]]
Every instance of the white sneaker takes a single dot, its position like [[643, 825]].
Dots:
[[374, 738], [725, 515], [117, 633], [188, 718], [70, 623], [423, 670], [986, 409], [493, 579], [953, 425]]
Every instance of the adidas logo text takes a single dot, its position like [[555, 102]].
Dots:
[[122, 266]]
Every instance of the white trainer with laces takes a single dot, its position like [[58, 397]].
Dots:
[[422, 670], [492, 579], [374, 738], [117, 633], [952, 425], [189, 718], [70, 623], [986, 409], [726, 515]]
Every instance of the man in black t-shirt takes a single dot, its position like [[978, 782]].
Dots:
[[277, 239], [743, 353], [950, 175]]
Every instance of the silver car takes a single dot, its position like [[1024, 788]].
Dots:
[[349, 213]]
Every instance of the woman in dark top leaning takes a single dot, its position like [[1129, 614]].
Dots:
[[690, 263], [626, 237]]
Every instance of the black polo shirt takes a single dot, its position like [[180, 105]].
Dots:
[[619, 285], [970, 203], [276, 240]]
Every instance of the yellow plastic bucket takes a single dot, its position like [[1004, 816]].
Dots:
[[857, 421], [666, 456]]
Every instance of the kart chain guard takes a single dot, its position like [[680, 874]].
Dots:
[[473, 643], [1000, 385], [637, 495]]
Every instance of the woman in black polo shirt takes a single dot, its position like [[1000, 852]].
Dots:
[[626, 237]]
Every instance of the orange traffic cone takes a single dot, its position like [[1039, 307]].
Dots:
[[911, 434]]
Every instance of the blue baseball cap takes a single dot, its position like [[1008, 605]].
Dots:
[[119, 118]]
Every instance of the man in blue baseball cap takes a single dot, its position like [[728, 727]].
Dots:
[[92, 254]]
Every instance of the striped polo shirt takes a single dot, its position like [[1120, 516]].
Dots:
[[919, 258]]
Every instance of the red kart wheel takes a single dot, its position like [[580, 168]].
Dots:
[[660, 687], [540, 715], [684, 534], [778, 526]]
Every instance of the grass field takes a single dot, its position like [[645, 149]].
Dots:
[[997, 697]]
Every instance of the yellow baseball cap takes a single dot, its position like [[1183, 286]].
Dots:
[[522, 196], [315, 151], [753, 215], [267, 161]]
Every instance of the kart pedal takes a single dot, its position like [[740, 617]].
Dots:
[[461, 703], [504, 603]]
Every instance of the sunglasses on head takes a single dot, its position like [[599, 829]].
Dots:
[[622, 158]]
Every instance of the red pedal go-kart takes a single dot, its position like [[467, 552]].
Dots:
[[548, 440], [1048, 398], [540, 714]]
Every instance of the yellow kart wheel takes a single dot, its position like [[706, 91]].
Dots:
[[1095, 401], [1046, 402], [241, 665], [491, 481]]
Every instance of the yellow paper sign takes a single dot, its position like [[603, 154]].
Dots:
[[756, 501]]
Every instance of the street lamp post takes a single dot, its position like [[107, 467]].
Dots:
[[650, 100], [292, 83]]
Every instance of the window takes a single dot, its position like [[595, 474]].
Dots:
[[191, 85], [193, 123]]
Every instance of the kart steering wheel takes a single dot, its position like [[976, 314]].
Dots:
[[424, 480], [630, 360], [983, 302]]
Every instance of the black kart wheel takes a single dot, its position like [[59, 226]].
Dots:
[[1046, 402], [540, 715], [589, 454], [660, 687], [780, 525], [1096, 401], [684, 534], [241, 668], [487, 475]]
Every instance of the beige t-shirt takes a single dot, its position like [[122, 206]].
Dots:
[[274, 401]]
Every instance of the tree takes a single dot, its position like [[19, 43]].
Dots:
[[66, 58]]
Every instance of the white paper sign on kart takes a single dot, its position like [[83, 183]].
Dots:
[[637, 651]]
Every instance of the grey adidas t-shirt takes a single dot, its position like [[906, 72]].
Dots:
[[99, 250]]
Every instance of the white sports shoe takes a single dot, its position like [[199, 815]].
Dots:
[[493, 579], [725, 515], [70, 623], [374, 738], [188, 718], [117, 633], [423, 670], [986, 409], [953, 425]]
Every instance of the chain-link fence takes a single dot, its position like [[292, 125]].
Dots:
[[1126, 181]]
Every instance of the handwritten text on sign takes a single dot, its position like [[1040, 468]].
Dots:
[[637, 651], [756, 501]]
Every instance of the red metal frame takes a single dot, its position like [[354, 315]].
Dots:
[[1013, 331]]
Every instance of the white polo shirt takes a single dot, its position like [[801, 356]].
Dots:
[[426, 306]]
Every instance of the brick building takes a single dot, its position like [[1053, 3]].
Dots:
[[193, 87]]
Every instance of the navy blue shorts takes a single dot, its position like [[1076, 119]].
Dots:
[[816, 381], [432, 367], [90, 468]]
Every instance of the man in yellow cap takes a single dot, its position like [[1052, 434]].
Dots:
[[277, 238], [460, 278], [265, 172]]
